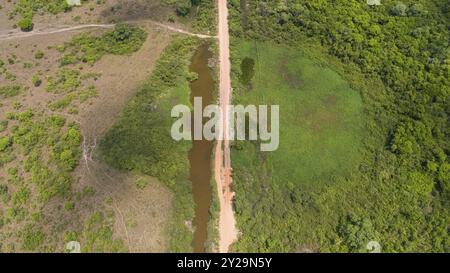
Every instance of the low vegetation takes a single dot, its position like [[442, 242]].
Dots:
[[98, 234], [50, 148], [28, 8], [124, 39], [67, 80], [10, 91]]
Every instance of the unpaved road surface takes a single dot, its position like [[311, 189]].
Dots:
[[16, 33], [227, 223]]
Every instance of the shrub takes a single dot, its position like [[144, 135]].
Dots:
[[90, 92], [124, 39], [3, 189], [68, 160], [67, 80], [416, 10], [183, 7], [39, 55], [21, 196], [3, 125], [141, 183], [27, 9], [62, 103], [5, 142], [98, 235], [36, 81], [68, 59], [69, 205], [10, 91], [399, 9], [247, 70], [32, 239], [25, 24]]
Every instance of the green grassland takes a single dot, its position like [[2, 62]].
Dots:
[[320, 116], [321, 130]]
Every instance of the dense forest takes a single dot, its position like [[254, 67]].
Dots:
[[399, 193]]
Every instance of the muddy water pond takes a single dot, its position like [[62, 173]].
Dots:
[[201, 152]]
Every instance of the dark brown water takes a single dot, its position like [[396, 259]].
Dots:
[[200, 154]]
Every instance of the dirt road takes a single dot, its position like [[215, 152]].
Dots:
[[16, 33], [227, 223]]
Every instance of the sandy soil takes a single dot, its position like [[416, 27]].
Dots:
[[227, 223]]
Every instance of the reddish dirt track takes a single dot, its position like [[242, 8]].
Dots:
[[227, 223]]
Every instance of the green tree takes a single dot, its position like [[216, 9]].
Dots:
[[36, 81], [357, 233], [399, 9], [5, 142], [25, 24], [183, 7]]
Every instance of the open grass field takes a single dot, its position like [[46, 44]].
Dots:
[[320, 115], [321, 131]]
